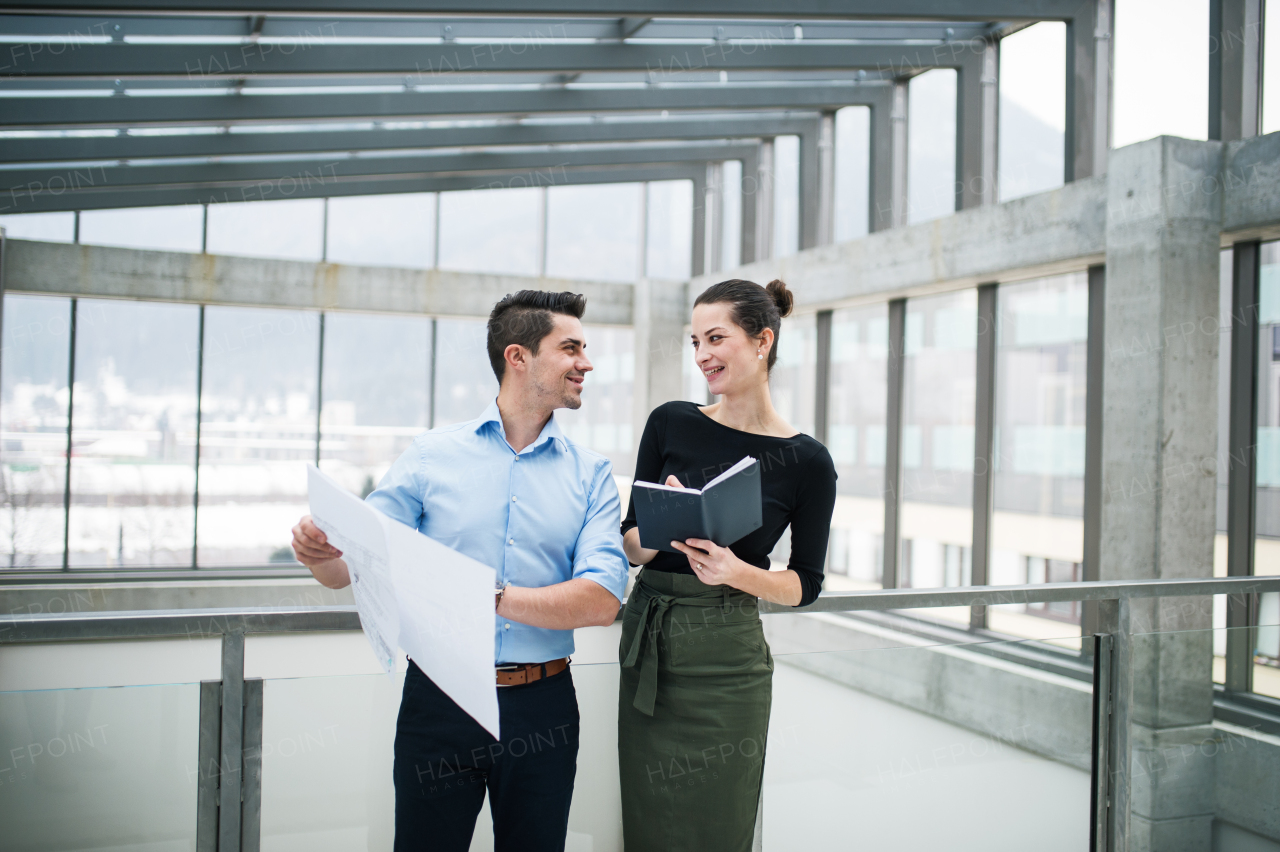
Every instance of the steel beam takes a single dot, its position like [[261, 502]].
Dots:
[[224, 193], [275, 109], [136, 147], [1090, 59], [451, 62], [55, 178], [485, 28], [1235, 69], [1242, 458], [948, 10]]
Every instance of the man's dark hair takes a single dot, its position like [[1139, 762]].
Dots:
[[524, 318]]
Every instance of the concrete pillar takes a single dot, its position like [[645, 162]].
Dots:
[[698, 241], [764, 202], [660, 347], [827, 179], [1159, 443], [1235, 69], [880, 182], [715, 217], [898, 161], [1090, 51], [810, 181], [977, 105]]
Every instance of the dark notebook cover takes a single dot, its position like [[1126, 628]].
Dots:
[[723, 512]]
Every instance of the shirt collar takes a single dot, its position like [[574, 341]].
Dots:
[[550, 432]]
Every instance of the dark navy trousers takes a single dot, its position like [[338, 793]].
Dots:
[[445, 762]]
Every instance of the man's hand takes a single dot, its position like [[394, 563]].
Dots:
[[311, 547]]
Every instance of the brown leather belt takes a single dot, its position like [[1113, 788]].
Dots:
[[518, 674]]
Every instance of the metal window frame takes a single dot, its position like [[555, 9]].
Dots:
[[984, 429], [1242, 468], [891, 548]]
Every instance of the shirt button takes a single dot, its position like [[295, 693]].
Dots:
[[508, 627], [511, 541], [513, 499]]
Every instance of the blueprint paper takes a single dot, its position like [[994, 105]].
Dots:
[[415, 593]]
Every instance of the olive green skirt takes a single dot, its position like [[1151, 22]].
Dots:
[[693, 715]]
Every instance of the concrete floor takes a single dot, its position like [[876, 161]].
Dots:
[[849, 771]]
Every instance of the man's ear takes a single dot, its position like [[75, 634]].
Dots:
[[516, 356]]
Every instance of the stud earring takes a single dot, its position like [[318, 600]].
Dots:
[[759, 357]]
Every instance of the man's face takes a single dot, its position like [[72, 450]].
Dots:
[[556, 373]]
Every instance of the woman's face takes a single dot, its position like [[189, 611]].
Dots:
[[727, 357]]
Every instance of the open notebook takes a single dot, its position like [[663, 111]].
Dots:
[[724, 511]]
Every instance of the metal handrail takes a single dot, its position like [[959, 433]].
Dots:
[[190, 623]]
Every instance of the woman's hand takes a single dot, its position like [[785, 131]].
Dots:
[[637, 555], [713, 564]]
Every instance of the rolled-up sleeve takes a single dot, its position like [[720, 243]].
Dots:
[[399, 494], [598, 555]]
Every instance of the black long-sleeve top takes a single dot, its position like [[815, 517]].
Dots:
[[797, 481]]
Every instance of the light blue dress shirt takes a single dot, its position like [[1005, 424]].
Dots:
[[547, 514]]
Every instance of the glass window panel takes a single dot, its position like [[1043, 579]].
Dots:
[[856, 441], [377, 384], [938, 404], [1161, 88], [786, 195], [931, 145], [383, 230], [490, 230], [794, 377], [133, 434], [1038, 527], [604, 422], [158, 228], [670, 232], [853, 170], [671, 229], [593, 232], [1033, 102], [100, 768], [292, 230], [33, 419], [465, 384], [49, 227], [257, 432]]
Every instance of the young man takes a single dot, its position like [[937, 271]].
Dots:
[[510, 490]]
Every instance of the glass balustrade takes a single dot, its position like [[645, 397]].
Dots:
[[888, 730]]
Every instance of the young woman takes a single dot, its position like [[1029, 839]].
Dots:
[[697, 675]]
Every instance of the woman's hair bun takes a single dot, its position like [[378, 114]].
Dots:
[[782, 297]]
